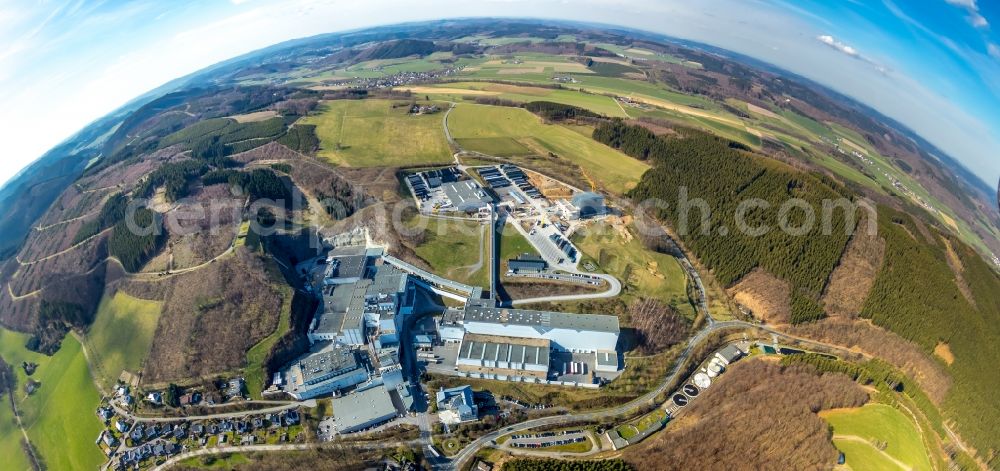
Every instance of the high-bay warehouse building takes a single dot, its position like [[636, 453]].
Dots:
[[518, 343]]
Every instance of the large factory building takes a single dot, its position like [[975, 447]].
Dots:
[[578, 333], [503, 342]]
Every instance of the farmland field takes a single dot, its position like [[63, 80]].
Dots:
[[62, 407], [10, 438], [615, 170], [874, 424], [121, 335], [601, 104], [498, 146], [368, 133]]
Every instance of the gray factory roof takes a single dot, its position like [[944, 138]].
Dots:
[[607, 358], [361, 408], [466, 194], [553, 320], [347, 250], [337, 298], [515, 264], [387, 280], [452, 315], [493, 348], [330, 322], [458, 399], [325, 364], [731, 353], [586, 198], [349, 266]]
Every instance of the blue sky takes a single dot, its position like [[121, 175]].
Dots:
[[934, 65]]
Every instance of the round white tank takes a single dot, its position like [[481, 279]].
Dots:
[[714, 368], [702, 380]]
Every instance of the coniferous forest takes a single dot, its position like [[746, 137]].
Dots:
[[918, 293], [706, 168]]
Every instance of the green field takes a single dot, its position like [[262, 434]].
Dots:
[[642, 272], [863, 457], [615, 170], [370, 133], [224, 461], [452, 249], [512, 244], [878, 423], [453, 91], [121, 335], [59, 416], [10, 439], [497, 146]]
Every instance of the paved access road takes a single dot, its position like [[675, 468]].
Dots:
[[459, 460]]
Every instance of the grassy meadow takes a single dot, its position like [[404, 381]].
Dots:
[[512, 244], [59, 417], [642, 272], [121, 335], [10, 439], [456, 91], [452, 249], [863, 457], [371, 133], [876, 423], [473, 125]]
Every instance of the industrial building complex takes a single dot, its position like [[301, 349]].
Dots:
[[367, 298]]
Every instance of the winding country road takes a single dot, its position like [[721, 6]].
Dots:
[[459, 460]]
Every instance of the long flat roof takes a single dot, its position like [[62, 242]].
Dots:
[[387, 279], [362, 407], [466, 191], [504, 349], [325, 363], [348, 266], [554, 320]]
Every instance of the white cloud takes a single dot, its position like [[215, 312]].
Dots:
[[971, 6], [994, 50], [851, 51], [46, 105], [830, 41]]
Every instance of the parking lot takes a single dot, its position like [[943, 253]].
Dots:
[[547, 439], [539, 238], [578, 278]]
